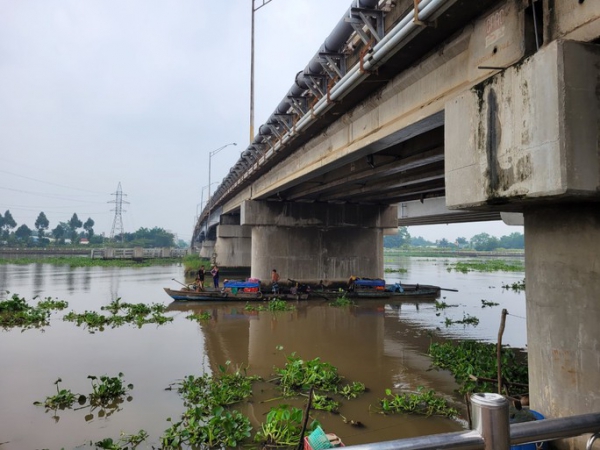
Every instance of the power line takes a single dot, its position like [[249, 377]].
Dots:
[[53, 184], [54, 196]]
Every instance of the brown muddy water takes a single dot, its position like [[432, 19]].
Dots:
[[381, 344]]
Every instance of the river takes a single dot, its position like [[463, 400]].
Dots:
[[377, 343]]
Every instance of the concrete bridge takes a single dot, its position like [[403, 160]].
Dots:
[[454, 111]]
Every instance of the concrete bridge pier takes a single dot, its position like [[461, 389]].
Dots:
[[233, 246], [528, 139], [207, 249], [313, 241]]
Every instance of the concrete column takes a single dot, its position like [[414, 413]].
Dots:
[[207, 249], [317, 241], [233, 246], [562, 263]]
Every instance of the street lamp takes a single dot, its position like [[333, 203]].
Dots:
[[210, 155], [254, 9]]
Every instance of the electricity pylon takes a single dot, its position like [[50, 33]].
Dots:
[[118, 221]]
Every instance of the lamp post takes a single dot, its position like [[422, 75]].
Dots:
[[210, 155], [254, 9]]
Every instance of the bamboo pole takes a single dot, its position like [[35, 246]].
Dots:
[[499, 349]]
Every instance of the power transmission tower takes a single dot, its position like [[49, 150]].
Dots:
[[118, 221]]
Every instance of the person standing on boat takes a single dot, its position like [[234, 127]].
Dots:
[[215, 274], [274, 282], [200, 279]]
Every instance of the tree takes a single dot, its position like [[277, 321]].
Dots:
[[484, 242], [398, 240], [74, 223], [8, 223], [461, 241], [88, 227], [23, 233], [41, 224], [59, 233], [513, 240]]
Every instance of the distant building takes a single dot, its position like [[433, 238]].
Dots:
[[84, 241]]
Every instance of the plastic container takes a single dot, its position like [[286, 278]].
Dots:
[[533, 445]]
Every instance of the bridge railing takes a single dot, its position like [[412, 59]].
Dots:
[[492, 430], [137, 253]]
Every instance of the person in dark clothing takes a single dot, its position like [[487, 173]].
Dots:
[[215, 274], [200, 279]]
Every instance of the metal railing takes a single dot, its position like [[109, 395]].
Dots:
[[492, 430]]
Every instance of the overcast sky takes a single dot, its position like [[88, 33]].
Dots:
[[97, 92]]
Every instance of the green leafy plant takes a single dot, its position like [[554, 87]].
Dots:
[[16, 312], [517, 286], [105, 388], [139, 314], [468, 359], [352, 390], [282, 427], [199, 317], [125, 442], [274, 305], [63, 399], [485, 303], [219, 428], [342, 301], [324, 403], [298, 375], [423, 401], [466, 320], [493, 265]]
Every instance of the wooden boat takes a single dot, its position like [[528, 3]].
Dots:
[[377, 289], [218, 295]]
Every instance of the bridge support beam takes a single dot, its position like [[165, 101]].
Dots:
[[317, 241], [233, 246], [528, 140]]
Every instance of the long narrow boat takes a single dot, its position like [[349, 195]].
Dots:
[[220, 295], [408, 292]]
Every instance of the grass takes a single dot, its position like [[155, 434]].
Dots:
[[84, 261], [192, 263]]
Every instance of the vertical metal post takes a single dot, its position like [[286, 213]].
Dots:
[[251, 77], [490, 419]]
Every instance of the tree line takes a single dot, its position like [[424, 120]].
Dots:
[[480, 242], [73, 231]]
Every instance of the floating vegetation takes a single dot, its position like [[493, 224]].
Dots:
[[206, 392], [443, 305], [107, 394], [106, 389], [283, 427], [125, 442], [199, 317], [517, 286], [219, 428], [352, 390], [423, 402], [206, 422], [324, 403], [139, 314], [398, 270], [466, 320], [298, 375], [63, 399], [485, 303], [493, 265], [16, 312], [275, 304], [468, 359], [342, 301]]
